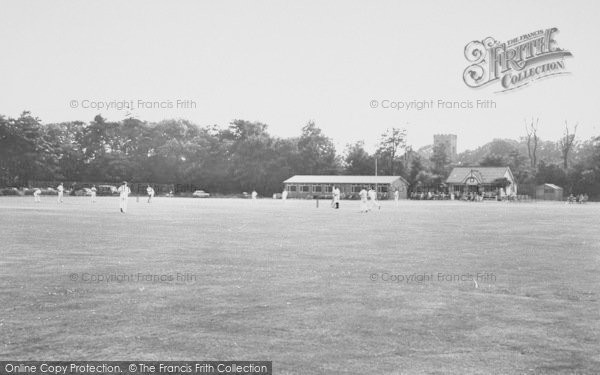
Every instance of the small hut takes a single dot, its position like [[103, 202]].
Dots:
[[549, 192]]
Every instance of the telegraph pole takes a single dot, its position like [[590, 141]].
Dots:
[[376, 175]]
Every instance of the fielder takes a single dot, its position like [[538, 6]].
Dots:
[[363, 200], [373, 198], [61, 190], [396, 196], [150, 192], [284, 195], [124, 192], [336, 197], [254, 195], [36, 195], [93, 190]]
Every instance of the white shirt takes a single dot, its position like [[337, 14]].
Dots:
[[124, 191], [372, 195], [150, 191], [60, 188], [363, 195], [336, 194]]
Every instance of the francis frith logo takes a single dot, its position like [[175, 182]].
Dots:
[[515, 63]]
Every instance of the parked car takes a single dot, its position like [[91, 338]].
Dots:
[[10, 191], [107, 190], [200, 194], [83, 192]]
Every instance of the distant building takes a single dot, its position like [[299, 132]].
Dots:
[[482, 180], [549, 192], [302, 186], [449, 142]]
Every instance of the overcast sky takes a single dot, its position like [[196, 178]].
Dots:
[[287, 62]]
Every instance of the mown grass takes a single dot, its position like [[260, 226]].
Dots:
[[292, 283]]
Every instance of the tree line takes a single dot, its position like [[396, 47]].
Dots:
[[244, 156]]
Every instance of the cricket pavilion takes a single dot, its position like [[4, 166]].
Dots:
[[310, 186], [482, 180]]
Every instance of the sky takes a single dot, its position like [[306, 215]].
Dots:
[[285, 63]]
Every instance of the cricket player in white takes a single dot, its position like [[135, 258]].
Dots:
[[36, 195], [396, 196], [363, 200], [254, 195], [373, 198], [123, 196], [284, 195], [336, 197], [93, 190], [60, 189], [150, 192]]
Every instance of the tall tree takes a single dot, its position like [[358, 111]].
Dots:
[[251, 152], [566, 143], [532, 141], [24, 151], [66, 141], [358, 161], [416, 169], [317, 152], [390, 143], [493, 160]]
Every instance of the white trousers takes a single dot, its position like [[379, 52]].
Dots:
[[373, 203], [363, 206], [123, 203]]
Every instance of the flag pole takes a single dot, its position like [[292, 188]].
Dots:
[[376, 176]]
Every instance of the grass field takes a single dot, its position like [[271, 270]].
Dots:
[[315, 290]]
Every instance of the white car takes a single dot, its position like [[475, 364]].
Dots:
[[200, 194], [83, 192]]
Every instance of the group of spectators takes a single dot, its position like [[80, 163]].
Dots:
[[466, 196], [428, 196], [581, 198]]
